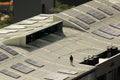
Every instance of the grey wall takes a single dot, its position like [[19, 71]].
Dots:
[[110, 68], [24, 9]]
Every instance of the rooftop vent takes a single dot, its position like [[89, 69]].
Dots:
[[30, 36], [93, 60], [111, 51], [44, 32]]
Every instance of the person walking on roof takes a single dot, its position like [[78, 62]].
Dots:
[[71, 60]]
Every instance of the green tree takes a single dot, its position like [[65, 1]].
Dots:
[[60, 7]]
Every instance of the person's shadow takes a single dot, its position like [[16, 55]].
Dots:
[[72, 65]]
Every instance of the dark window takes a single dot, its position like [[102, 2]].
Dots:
[[43, 8], [54, 2], [42, 33]]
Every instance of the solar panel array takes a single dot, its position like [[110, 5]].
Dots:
[[96, 14], [9, 73], [116, 6], [101, 34], [115, 25], [9, 50], [79, 24], [85, 17], [22, 68], [3, 56], [107, 11], [110, 31]]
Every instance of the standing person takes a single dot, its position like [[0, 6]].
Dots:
[[71, 59]]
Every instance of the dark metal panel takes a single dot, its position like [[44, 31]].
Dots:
[[24, 9]]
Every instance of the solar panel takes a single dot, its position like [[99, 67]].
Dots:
[[27, 22], [116, 6], [38, 18], [115, 25], [9, 73], [6, 31], [96, 14], [110, 31], [3, 56], [101, 34], [35, 63], [67, 71], [22, 68], [16, 27], [106, 11], [79, 24], [9, 50], [56, 76], [13, 52], [85, 19]]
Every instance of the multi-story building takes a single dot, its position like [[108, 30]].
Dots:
[[39, 48]]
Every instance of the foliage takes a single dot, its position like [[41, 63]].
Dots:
[[60, 7], [6, 22]]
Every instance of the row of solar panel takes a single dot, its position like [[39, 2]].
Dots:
[[88, 20], [107, 32], [26, 69], [22, 68]]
